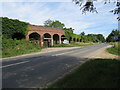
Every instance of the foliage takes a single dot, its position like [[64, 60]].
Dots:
[[92, 38], [100, 37], [73, 45], [68, 32], [12, 47], [88, 6], [54, 24], [12, 26], [82, 33], [98, 73], [115, 49], [113, 36], [71, 37]]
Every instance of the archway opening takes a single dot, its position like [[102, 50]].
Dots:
[[80, 40], [18, 36], [34, 36], [70, 39], [56, 39], [47, 39], [77, 40], [63, 38], [74, 39]]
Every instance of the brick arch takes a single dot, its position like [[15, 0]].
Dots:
[[47, 35], [77, 39], [62, 38], [47, 39], [43, 30], [32, 35], [56, 38]]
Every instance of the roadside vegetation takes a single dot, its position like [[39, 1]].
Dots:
[[18, 47], [74, 45], [114, 39], [98, 73], [13, 38], [15, 31], [115, 49]]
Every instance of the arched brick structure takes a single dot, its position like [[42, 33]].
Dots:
[[46, 34]]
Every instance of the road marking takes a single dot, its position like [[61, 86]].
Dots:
[[62, 53], [14, 64]]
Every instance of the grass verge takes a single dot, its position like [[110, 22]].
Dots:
[[74, 45], [115, 49], [18, 47], [98, 73]]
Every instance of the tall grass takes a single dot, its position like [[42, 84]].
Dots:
[[18, 47], [99, 73], [73, 45], [115, 49]]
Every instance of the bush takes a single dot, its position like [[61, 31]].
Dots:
[[73, 45], [12, 26], [17, 47], [115, 49]]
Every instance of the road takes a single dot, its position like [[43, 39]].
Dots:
[[38, 70]]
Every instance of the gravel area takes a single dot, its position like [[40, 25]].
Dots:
[[102, 53]]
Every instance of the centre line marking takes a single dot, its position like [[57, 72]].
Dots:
[[62, 53], [14, 64]]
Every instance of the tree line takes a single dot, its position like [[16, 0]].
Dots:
[[71, 37], [114, 36], [12, 27]]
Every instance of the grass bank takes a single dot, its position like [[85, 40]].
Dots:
[[74, 45], [98, 73], [18, 47], [115, 49]]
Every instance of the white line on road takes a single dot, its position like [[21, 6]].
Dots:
[[14, 64], [62, 53]]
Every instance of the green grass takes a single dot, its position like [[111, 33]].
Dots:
[[115, 49], [99, 73], [18, 47], [72, 45]]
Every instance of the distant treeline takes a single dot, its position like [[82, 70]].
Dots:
[[74, 37], [11, 28], [114, 36]]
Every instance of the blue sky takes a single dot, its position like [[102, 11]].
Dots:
[[66, 12]]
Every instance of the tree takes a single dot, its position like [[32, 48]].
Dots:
[[54, 24], [48, 23], [68, 33], [100, 37], [88, 6], [82, 33], [114, 36], [12, 26]]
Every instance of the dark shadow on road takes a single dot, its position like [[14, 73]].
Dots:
[[39, 72]]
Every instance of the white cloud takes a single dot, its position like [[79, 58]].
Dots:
[[68, 13], [35, 1]]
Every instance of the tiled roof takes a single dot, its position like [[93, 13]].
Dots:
[[37, 28]]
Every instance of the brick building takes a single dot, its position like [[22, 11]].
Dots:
[[45, 36]]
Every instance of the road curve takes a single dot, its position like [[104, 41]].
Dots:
[[36, 71]]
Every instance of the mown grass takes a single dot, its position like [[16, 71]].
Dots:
[[18, 47], [115, 49], [99, 73], [73, 45]]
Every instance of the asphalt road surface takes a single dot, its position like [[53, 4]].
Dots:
[[38, 70]]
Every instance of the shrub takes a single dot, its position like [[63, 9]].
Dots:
[[17, 47]]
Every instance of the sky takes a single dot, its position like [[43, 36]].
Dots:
[[36, 12]]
